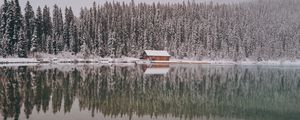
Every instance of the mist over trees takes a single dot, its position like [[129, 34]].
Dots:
[[262, 30]]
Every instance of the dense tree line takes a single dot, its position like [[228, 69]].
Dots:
[[260, 30]]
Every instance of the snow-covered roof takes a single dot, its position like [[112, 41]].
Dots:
[[157, 53], [156, 71]]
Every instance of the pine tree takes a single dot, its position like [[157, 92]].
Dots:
[[3, 48], [3, 20], [57, 30], [34, 43], [50, 48], [72, 37], [22, 45], [113, 44], [74, 41], [29, 24], [85, 50], [47, 29], [54, 46], [69, 18], [47, 23], [39, 31], [17, 17], [60, 22], [99, 41], [8, 41]]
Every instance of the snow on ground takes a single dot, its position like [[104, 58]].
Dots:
[[269, 62], [244, 62], [18, 60], [68, 58], [65, 57], [18, 64], [272, 62]]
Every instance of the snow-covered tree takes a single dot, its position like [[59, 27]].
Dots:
[[85, 50], [257, 31], [50, 44], [8, 41], [74, 42], [29, 23], [22, 45], [39, 31], [113, 45], [34, 43], [47, 29], [57, 29], [3, 20], [18, 18]]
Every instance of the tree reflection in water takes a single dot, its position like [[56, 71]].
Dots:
[[255, 92]]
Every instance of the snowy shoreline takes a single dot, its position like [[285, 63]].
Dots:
[[66, 60], [37, 61]]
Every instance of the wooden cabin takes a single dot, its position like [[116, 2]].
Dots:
[[156, 55]]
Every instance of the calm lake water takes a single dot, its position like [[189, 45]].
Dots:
[[159, 92]]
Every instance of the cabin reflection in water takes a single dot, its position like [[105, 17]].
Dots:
[[156, 69]]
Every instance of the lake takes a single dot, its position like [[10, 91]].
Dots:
[[152, 92]]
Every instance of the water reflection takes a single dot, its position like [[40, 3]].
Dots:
[[156, 69], [185, 92]]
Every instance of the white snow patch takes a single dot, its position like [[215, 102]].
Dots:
[[18, 60]]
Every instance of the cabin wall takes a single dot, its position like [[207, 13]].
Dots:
[[157, 58]]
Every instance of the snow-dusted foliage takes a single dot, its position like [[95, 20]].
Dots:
[[264, 30]]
